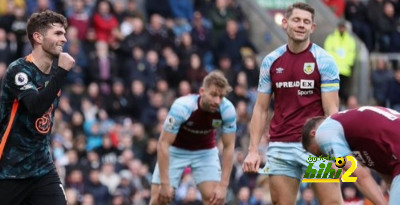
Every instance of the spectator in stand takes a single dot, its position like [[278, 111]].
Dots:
[[136, 67], [393, 92], [226, 67], [79, 17], [184, 88], [219, 15], [103, 67], [388, 35], [380, 77], [169, 96], [104, 21], [350, 195], [160, 35], [139, 37], [356, 13], [342, 47], [137, 99], [186, 48], [250, 68], [117, 103], [174, 71], [375, 12], [109, 177], [98, 190], [149, 114], [231, 42], [307, 197], [195, 72], [201, 35]]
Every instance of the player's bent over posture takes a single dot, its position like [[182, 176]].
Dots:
[[372, 135], [188, 140]]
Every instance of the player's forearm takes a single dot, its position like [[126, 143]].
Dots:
[[257, 128], [368, 186], [370, 189], [330, 102], [37, 103], [227, 163], [163, 161]]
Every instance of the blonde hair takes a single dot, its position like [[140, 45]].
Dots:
[[218, 79]]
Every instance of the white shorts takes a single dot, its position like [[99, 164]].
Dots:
[[288, 159], [205, 165], [394, 197]]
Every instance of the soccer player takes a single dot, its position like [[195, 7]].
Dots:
[[30, 93], [372, 135], [304, 80], [188, 139]]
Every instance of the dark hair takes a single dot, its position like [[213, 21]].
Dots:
[[41, 21], [302, 6], [308, 126]]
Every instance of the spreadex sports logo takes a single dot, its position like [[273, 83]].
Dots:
[[306, 86]]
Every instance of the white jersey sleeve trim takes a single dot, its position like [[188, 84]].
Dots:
[[264, 82], [180, 111], [327, 68], [228, 114]]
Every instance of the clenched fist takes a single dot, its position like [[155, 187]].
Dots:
[[66, 61]]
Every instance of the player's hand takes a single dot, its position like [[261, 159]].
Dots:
[[166, 194], [219, 195], [251, 162], [66, 61]]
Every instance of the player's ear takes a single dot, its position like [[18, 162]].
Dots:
[[312, 133], [313, 26], [284, 22], [201, 90], [38, 37]]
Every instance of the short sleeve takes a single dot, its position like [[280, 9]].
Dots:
[[330, 137], [177, 115], [228, 114], [328, 70]]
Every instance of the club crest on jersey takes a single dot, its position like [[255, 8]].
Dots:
[[216, 123], [170, 122], [308, 68], [21, 79]]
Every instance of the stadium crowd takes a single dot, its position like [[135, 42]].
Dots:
[[133, 58]]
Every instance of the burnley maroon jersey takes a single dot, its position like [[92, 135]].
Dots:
[[373, 136], [196, 128], [296, 82]]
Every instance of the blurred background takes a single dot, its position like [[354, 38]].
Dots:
[[134, 57]]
